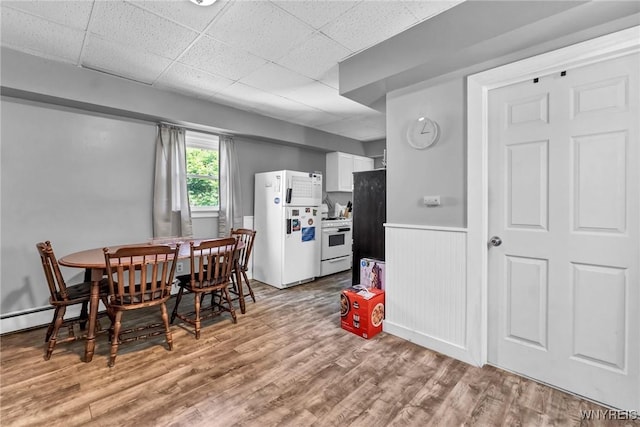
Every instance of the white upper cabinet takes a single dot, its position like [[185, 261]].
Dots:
[[340, 169]]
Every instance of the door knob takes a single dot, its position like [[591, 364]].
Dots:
[[495, 241]]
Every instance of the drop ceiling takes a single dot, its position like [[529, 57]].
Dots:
[[275, 58]]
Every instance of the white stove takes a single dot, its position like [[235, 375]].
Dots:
[[336, 242], [336, 222]]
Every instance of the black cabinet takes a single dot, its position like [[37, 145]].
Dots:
[[369, 215]]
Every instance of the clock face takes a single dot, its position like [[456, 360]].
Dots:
[[422, 133]]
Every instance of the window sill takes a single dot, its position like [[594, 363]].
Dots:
[[204, 214]]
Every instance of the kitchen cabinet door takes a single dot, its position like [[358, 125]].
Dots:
[[362, 163], [340, 168]]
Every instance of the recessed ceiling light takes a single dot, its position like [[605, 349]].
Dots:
[[203, 2]]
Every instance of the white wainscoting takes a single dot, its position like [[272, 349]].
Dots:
[[426, 287]]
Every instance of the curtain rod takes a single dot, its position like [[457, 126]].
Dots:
[[194, 130]]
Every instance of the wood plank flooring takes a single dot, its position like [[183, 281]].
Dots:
[[286, 362]]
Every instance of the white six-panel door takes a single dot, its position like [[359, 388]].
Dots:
[[563, 198]]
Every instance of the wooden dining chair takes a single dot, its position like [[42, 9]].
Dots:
[[211, 265], [63, 296], [139, 277], [246, 236]]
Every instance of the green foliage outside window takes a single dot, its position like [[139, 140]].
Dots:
[[202, 177]]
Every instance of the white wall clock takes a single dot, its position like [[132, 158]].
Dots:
[[422, 133]]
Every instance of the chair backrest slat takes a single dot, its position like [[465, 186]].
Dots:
[[214, 260], [247, 237], [55, 281], [154, 264]]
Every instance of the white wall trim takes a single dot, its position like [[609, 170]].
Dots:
[[478, 85], [426, 227], [38, 317], [25, 319], [442, 346]]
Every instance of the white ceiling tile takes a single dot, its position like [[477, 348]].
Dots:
[[356, 129], [184, 12], [315, 56], [259, 27], [74, 14], [369, 23], [182, 78], [330, 77], [313, 117], [316, 12], [323, 97], [221, 59], [122, 60], [274, 78], [126, 23], [254, 99], [30, 34], [284, 53], [244, 95], [426, 9]]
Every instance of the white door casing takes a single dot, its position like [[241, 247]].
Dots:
[[563, 196], [603, 280]]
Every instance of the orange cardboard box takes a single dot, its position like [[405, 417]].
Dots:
[[360, 315]]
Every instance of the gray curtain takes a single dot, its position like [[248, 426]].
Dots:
[[230, 215], [171, 211]]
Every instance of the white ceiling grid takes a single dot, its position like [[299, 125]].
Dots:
[[275, 58]]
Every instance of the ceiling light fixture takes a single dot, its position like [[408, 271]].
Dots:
[[203, 2]]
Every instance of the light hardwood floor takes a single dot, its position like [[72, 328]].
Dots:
[[286, 362]]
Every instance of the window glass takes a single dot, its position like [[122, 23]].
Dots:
[[202, 170]]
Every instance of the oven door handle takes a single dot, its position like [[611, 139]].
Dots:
[[342, 230]]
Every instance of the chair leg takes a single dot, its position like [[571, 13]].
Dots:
[[105, 301], [246, 279], [175, 308], [228, 298], [115, 338], [167, 329], [60, 311], [84, 315], [52, 324], [197, 298], [233, 282]]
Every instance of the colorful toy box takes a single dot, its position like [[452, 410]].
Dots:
[[362, 311], [372, 273]]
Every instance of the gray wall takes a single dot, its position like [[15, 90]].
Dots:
[[29, 77], [260, 156], [79, 180], [437, 170], [77, 160], [85, 180]]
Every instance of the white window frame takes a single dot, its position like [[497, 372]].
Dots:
[[194, 139]]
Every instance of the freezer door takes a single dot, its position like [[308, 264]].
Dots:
[[302, 188], [301, 256]]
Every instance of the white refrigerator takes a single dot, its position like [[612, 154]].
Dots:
[[286, 249]]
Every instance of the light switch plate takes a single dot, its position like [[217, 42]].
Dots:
[[431, 201]]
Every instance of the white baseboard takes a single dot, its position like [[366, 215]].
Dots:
[[31, 318], [432, 343]]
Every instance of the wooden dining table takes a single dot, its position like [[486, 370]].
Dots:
[[93, 262]]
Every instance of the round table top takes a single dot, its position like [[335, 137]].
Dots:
[[94, 258]]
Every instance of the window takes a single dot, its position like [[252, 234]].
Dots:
[[202, 171]]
